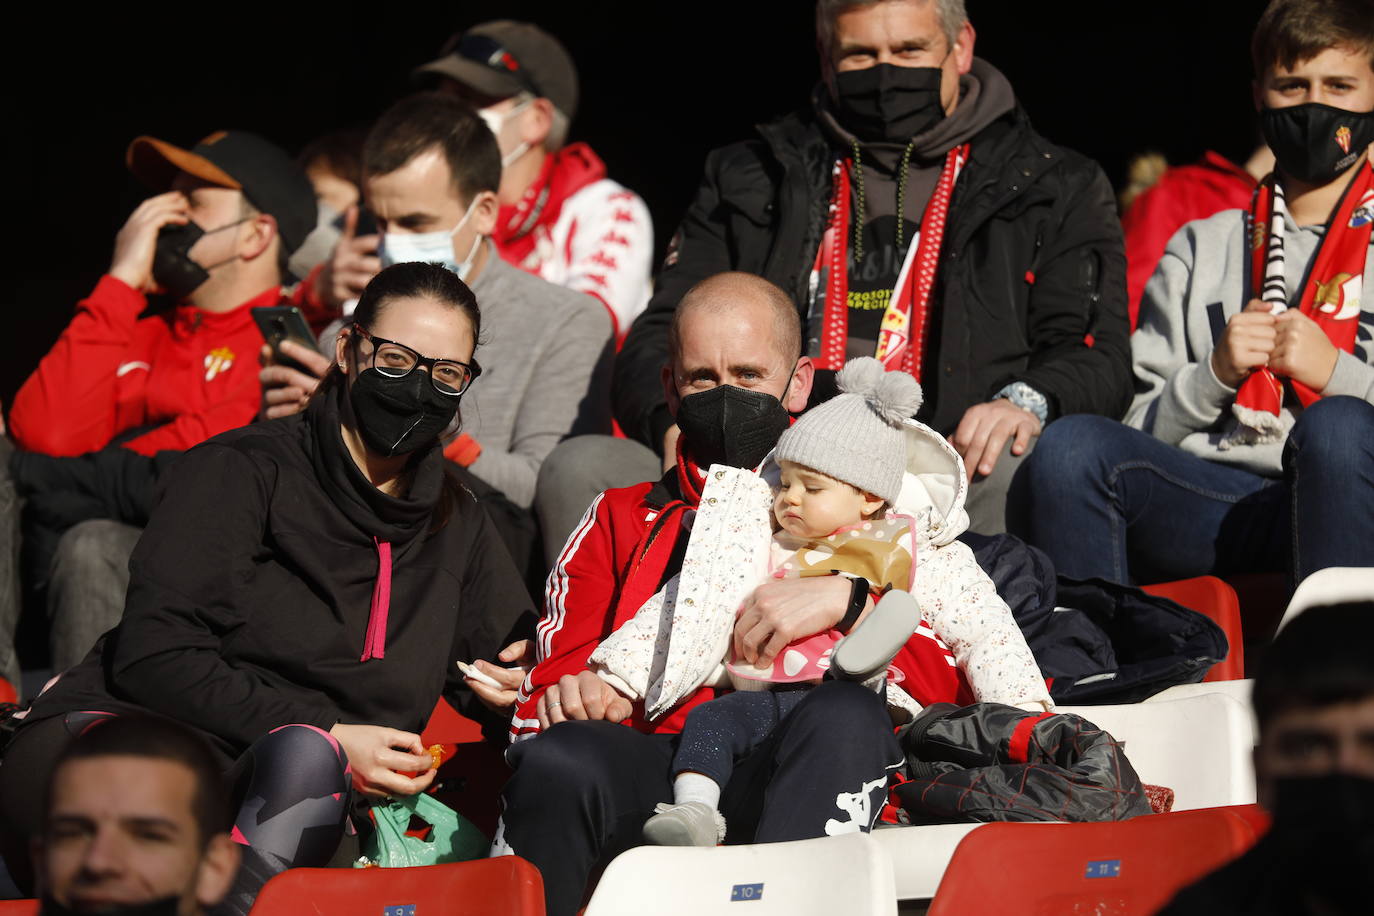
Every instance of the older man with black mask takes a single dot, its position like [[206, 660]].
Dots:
[[584, 782], [910, 212]]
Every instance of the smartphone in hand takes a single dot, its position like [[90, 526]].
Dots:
[[284, 322]]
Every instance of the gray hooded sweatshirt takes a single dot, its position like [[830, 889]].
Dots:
[[1202, 280]]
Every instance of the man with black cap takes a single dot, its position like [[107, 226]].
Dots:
[[126, 386], [561, 218], [912, 213]]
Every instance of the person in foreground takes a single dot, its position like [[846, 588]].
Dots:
[[1314, 768], [136, 823], [304, 589]]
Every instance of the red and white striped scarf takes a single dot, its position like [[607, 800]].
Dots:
[[1331, 296], [901, 339]]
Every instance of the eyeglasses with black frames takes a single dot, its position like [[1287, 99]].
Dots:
[[396, 360]]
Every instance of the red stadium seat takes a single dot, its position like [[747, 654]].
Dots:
[[1123, 868], [505, 886], [474, 770], [1263, 599], [447, 726], [1258, 819], [1212, 597]]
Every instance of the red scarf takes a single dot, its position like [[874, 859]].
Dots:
[[690, 477], [564, 173], [1330, 298], [901, 340]]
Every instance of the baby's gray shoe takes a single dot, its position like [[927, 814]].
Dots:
[[688, 824], [873, 643]]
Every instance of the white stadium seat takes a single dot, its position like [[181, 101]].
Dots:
[[846, 874], [920, 854], [1198, 744]]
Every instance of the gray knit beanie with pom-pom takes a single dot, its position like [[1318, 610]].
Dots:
[[857, 436]]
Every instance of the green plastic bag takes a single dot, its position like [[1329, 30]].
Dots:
[[452, 837]]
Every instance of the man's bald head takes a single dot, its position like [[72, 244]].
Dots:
[[724, 292], [740, 330]]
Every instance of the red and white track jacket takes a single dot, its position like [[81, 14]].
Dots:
[[575, 227], [617, 557]]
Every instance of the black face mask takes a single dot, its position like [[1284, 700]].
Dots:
[[164, 906], [887, 102], [1325, 825], [729, 425], [398, 415], [1315, 142], [173, 269]]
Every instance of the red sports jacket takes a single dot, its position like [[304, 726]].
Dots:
[[186, 376]]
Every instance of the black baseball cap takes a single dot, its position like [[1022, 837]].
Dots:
[[237, 159], [503, 58]]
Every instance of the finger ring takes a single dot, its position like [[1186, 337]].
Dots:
[[555, 703]]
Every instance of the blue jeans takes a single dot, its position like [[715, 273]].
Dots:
[[1103, 499]]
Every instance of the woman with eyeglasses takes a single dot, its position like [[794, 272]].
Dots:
[[322, 572]]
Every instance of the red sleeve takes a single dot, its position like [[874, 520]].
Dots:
[[1149, 224], [305, 296], [237, 408], [610, 253], [76, 380], [1181, 195], [578, 608]]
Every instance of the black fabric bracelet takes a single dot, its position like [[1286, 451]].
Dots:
[[858, 599]]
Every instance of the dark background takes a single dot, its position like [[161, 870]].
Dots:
[[662, 83]]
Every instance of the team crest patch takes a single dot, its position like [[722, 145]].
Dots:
[[1256, 235], [218, 360], [1343, 138], [1340, 296], [1364, 211]]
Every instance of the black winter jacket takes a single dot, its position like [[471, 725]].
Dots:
[[1031, 262], [989, 762], [250, 592]]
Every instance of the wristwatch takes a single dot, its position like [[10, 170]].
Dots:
[[1027, 398]]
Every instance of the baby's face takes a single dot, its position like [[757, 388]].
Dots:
[[810, 504]]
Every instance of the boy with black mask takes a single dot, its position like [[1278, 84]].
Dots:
[[1254, 412], [1314, 698]]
